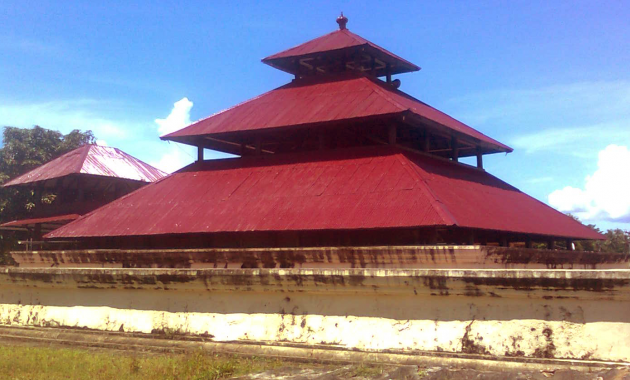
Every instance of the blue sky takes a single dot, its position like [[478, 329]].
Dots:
[[549, 78]]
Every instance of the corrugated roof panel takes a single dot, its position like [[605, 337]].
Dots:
[[375, 187], [304, 102], [92, 160]]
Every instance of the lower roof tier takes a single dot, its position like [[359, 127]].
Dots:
[[346, 189]]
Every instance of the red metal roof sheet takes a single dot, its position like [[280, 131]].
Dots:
[[337, 40], [307, 102], [50, 219], [358, 188], [92, 160]]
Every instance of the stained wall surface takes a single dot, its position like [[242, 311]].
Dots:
[[561, 314]]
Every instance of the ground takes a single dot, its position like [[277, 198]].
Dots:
[[21, 361]]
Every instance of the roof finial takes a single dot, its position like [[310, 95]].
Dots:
[[342, 21]]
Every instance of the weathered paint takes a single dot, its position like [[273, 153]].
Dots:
[[428, 256], [94, 160], [569, 314]]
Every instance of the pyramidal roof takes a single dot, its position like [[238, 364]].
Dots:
[[349, 189], [91, 160], [342, 42]]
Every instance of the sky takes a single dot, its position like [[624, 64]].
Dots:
[[551, 79]]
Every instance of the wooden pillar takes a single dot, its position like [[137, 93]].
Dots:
[[373, 68], [479, 158], [37, 233], [455, 147], [550, 244], [258, 146], [433, 236], [388, 73], [426, 142], [471, 238], [528, 242], [39, 191], [504, 242], [297, 69], [243, 148], [392, 134], [199, 153], [569, 244]]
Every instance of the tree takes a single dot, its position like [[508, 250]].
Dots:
[[617, 240], [22, 151]]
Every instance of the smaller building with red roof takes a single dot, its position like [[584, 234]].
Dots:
[[80, 181]]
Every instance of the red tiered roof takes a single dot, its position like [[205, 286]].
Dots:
[[91, 160], [318, 102], [349, 189]]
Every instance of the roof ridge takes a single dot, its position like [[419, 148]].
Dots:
[[379, 89], [84, 154], [436, 202], [354, 36], [225, 110]]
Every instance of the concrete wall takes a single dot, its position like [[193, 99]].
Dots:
[[561, 314], [426, 256]]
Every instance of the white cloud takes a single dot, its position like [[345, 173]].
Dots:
[[605, 195], [175, 155], [177, 119], [101, 142]]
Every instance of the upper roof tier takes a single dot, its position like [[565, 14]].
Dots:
[[340, 50], [94, 160]]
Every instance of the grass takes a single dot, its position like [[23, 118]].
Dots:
[[364, 370], [34, 363]]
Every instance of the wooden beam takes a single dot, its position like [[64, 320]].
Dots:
[[388, 73], [200, 153], [392, 134]]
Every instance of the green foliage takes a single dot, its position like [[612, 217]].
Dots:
[[617, 240], [22, 151], [35, 363]]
